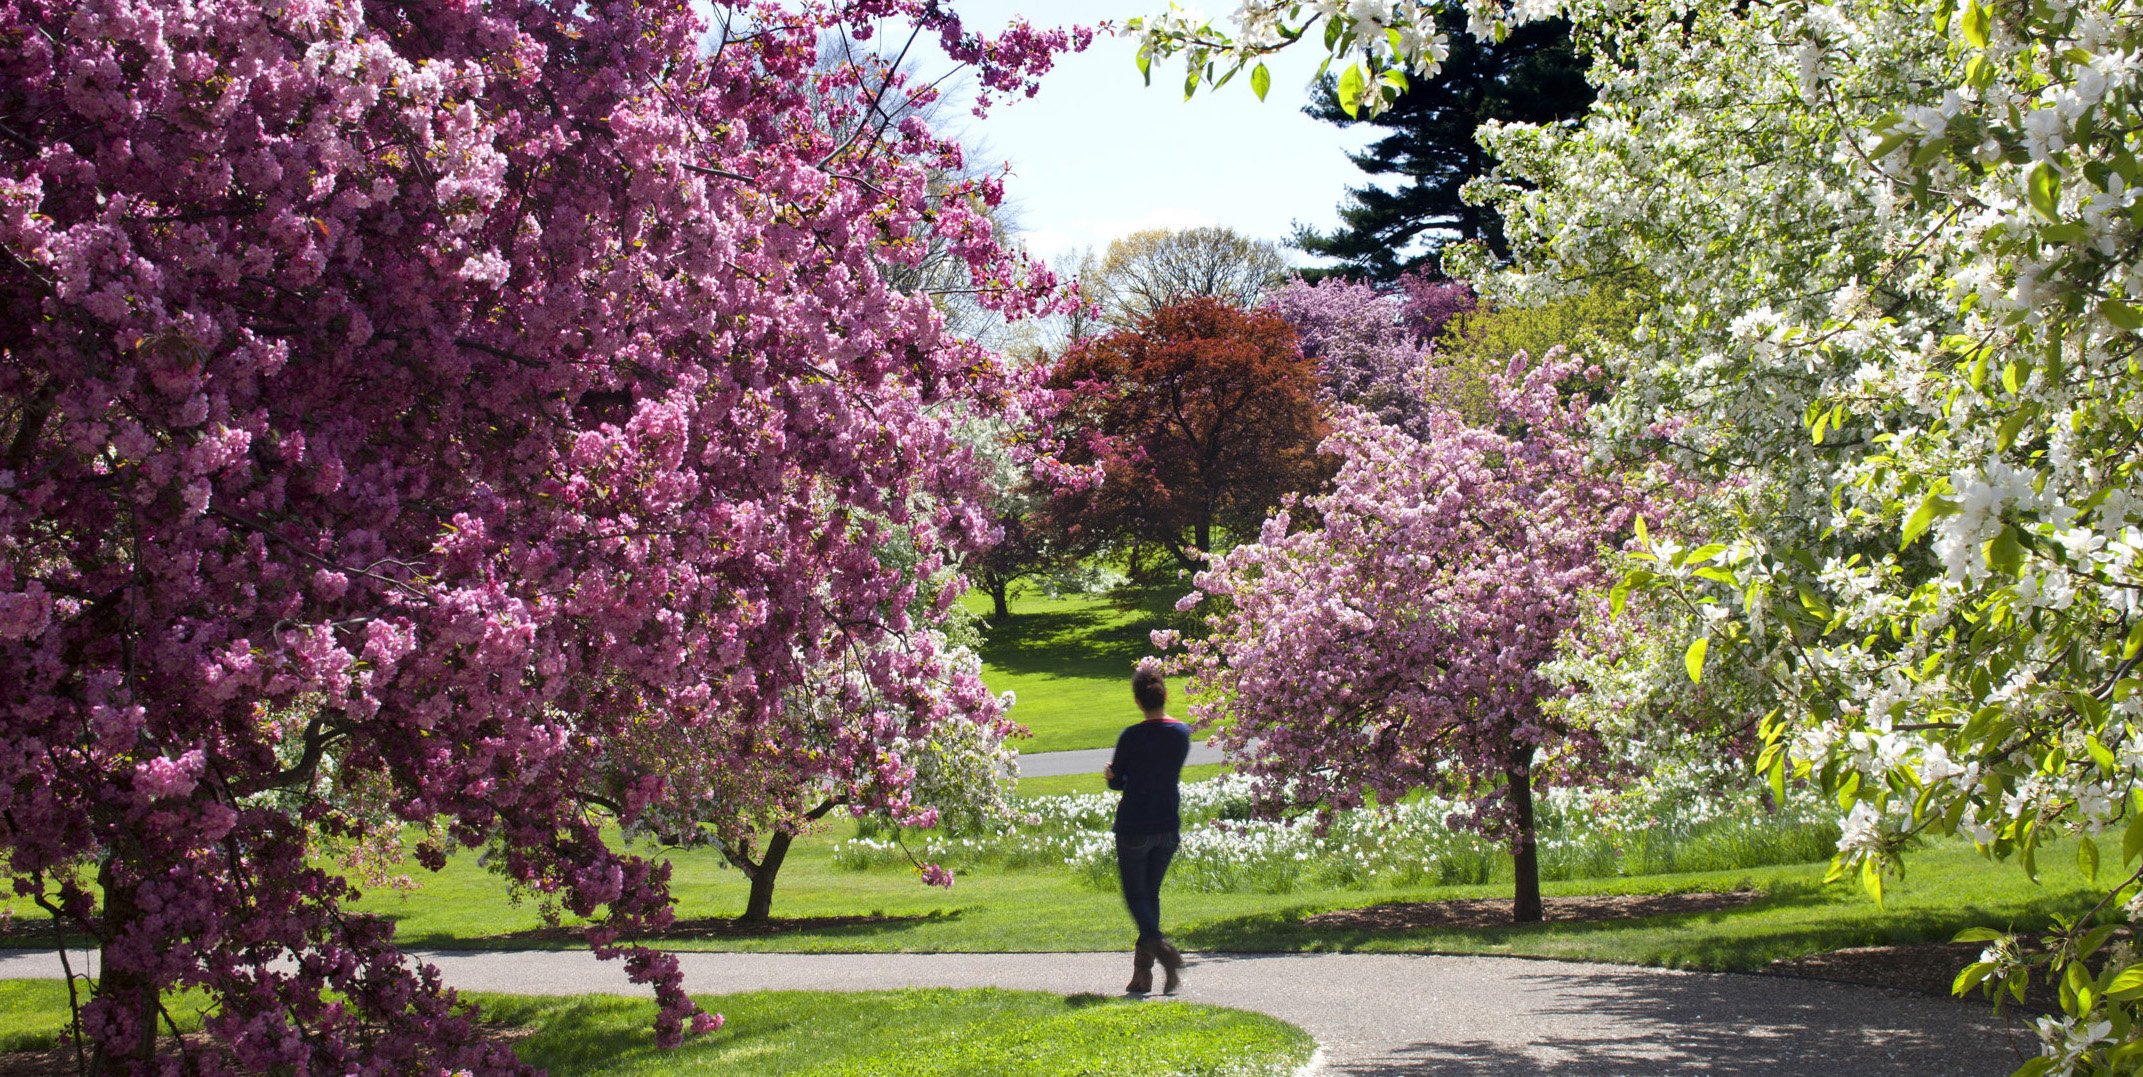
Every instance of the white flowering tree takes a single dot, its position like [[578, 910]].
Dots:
[[1896, 249]]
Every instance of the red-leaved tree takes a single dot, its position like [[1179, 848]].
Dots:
[[1203, 418], [1394, 642], [400, 402]]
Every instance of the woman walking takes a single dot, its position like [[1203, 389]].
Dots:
[[1146, 768]]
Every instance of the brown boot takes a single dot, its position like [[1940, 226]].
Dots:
[[1141, 971], [1171, 965]]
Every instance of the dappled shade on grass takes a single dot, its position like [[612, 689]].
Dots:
[[918, 1033], [935, 1032], [1068, 661]]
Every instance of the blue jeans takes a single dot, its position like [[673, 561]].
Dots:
[[1141, 861]]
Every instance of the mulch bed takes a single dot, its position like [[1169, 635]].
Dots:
[[1927, 968], [26, 934], [1476, 913], [719, 927]]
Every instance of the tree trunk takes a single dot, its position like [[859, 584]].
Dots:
[[760, 905], [124, 989], [1525, 848], [1202, 534], [1000, 596]]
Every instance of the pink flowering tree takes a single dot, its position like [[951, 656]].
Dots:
[[1395, 641], [402, 402], [931, 749]]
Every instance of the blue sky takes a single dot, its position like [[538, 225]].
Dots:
[[1098, 154]]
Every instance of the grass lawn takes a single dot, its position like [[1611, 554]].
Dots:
[[937, 1032], [1068, 660], [1047, 909], [1065, 784]]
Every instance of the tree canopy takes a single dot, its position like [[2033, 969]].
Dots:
[[1153, 268], [1394, 640], [403, 404], [1203, 418], [1429, 147]]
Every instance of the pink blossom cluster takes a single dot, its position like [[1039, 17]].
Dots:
[[1392, 637], [1372, 346], [426, 397]]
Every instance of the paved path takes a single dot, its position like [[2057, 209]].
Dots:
[[1091, 760], [1379, 1014]]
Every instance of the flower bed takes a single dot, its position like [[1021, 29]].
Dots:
[[1651, 828]]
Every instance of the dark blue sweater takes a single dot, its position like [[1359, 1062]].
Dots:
[[1148, 763]]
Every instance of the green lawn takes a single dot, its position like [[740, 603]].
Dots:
[[1068, 660], [1064, 784], [1046, 909], [940, 1033]]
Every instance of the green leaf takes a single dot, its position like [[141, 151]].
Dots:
[[1979, 72], [2135, 642], [1976, 25], [2132, 838], [2127, 985], [2099, 753], [2042, 184], [1971, 976], [2005, 434], [2005, 552], [1145, 66], [1618, 596], [1351, 84], [1694, 660], [1811, 601], [2121, 314], [1260, 81], [2087, 858], [1931, 506], [1871, 878], [1704, 553], [1888, 145], [2035, 1066], [2077, 985], [1641, 536], [1976, 934]]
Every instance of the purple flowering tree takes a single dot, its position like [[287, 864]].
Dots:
[[1428, 303], [1396, 641], [402, 403], [1373, 347]]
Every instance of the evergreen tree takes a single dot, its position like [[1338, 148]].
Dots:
[[1534, 76]]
